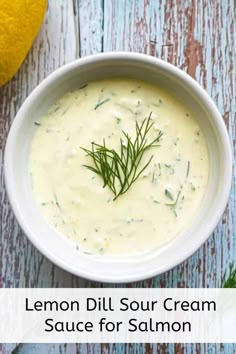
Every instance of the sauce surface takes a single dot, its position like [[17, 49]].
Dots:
[[163, 200]]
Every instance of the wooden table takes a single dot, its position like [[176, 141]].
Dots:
[[198, 36]]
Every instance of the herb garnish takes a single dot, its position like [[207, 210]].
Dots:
[[230, 281], [119, 170]]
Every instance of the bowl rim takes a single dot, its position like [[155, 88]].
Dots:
[[162, 65]]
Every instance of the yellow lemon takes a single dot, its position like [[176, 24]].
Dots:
[[20, 21]]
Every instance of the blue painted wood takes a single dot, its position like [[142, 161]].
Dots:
[[196, 35]]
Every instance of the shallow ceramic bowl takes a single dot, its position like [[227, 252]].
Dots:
[[58, 248]]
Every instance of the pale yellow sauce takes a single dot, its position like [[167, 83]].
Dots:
[[73, 199]]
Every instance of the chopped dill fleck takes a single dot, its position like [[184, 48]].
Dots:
[[188, 168], [173, 205], [37, 123], [56, 201], [171, 169], [156, 201], [82, 87], [176, 201], [125, 107], [192, 186], [159, 165], [168, 194], [64, 112], [117, 119], [99, 103], [56, 109], [153, 177], [175, 142], [134, 220]]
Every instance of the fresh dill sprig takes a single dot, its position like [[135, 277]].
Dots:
[[230, 280], [119, 170]]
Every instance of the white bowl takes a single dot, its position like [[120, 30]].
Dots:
[[59, 249]]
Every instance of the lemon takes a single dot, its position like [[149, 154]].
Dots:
[[20, 21]]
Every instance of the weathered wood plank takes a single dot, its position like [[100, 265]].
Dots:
[[91, 26]]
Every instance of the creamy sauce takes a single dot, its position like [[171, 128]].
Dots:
[[163, 200]]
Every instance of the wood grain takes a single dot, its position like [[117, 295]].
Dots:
[[196, 35]]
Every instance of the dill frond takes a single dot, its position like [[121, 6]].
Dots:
[[119, 170], [229, 281]]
